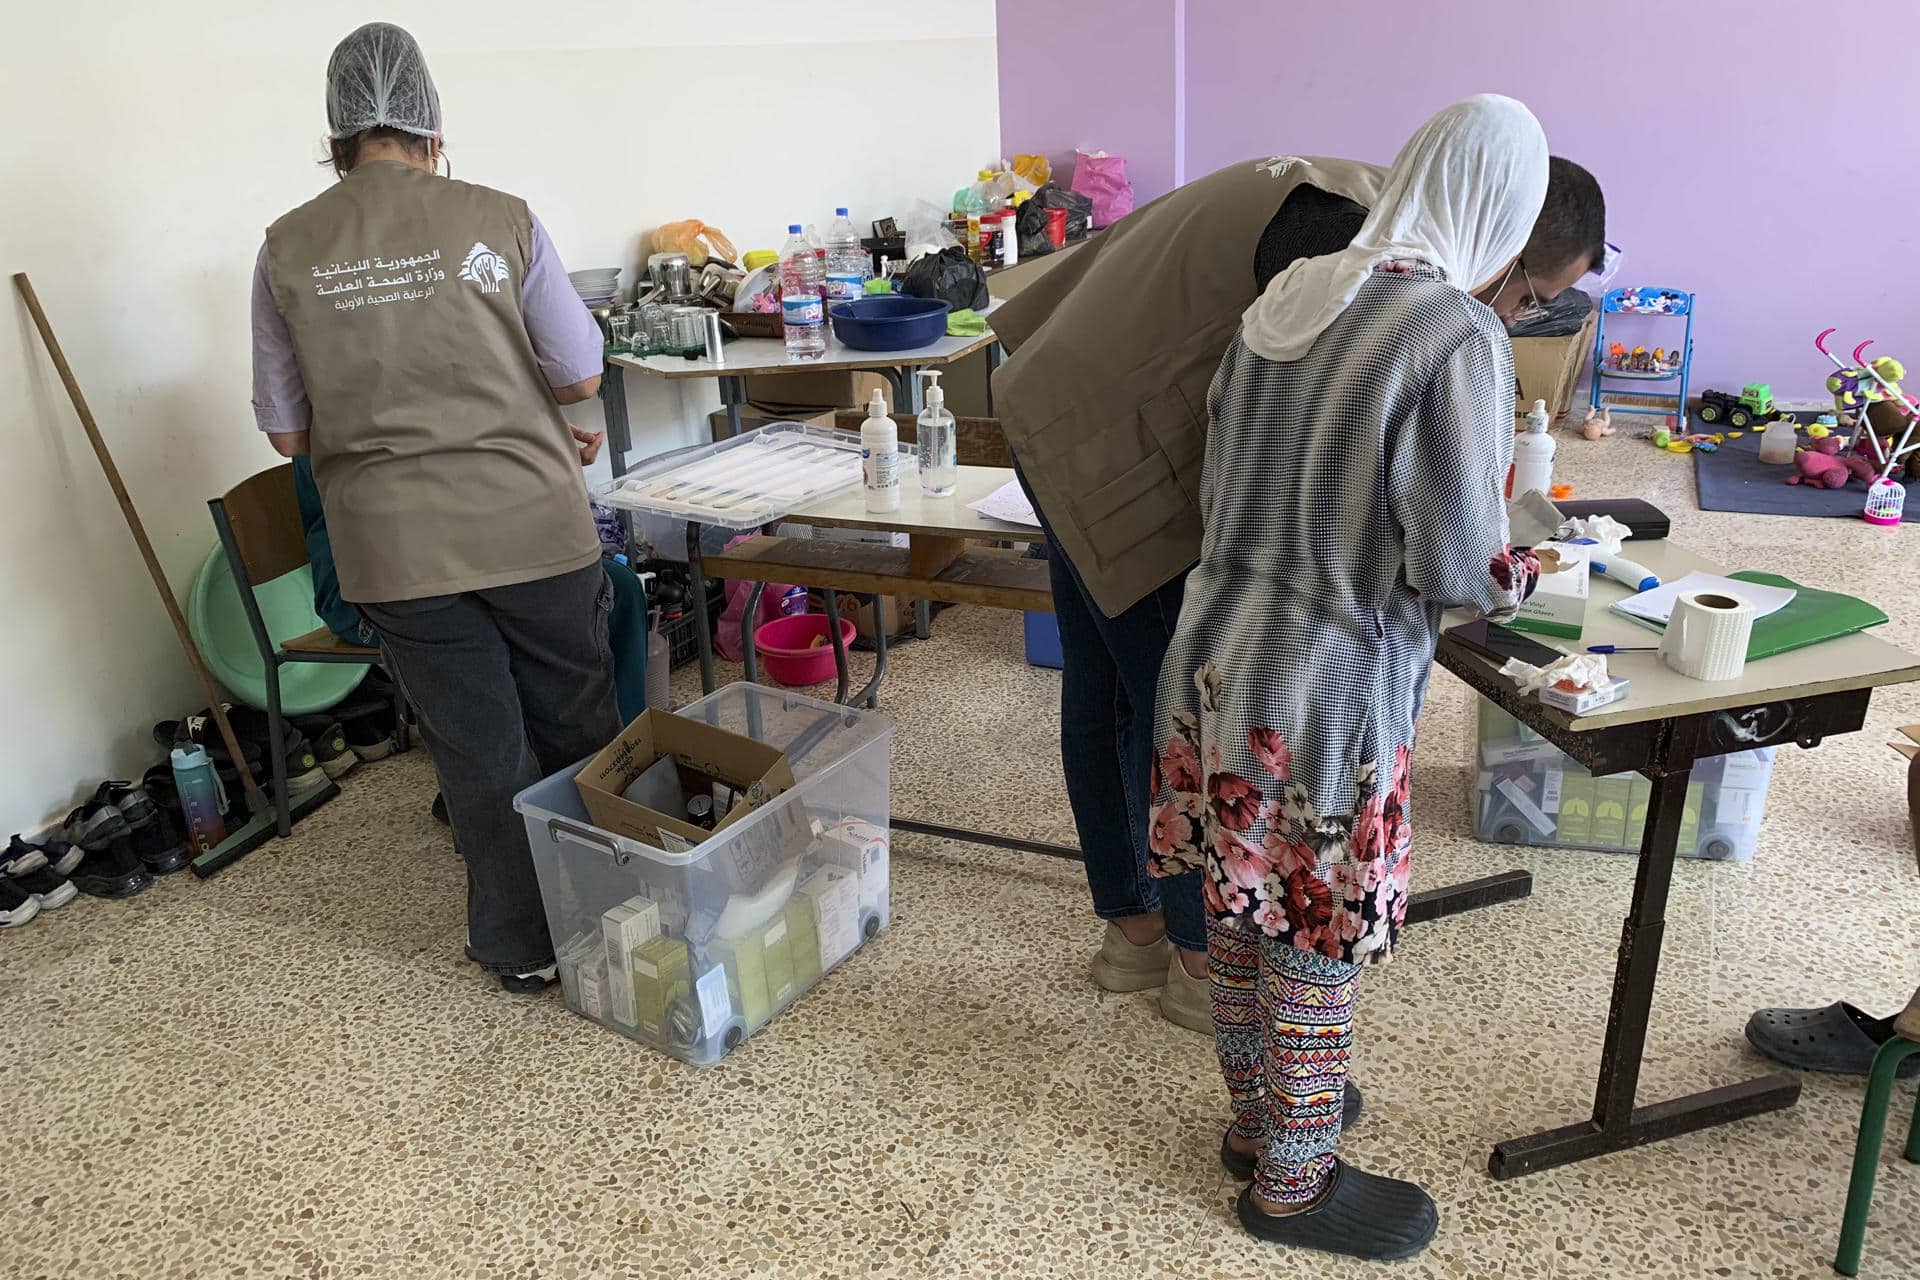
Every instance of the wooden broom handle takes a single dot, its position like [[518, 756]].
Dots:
[[133, 523]]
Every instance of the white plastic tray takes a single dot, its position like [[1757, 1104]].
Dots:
[[742, 483]]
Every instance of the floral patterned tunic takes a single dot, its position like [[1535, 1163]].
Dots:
[[1349, 497]]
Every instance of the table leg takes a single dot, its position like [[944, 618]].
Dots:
[[697, 584], [613, 408], [733, 394], [1617, 1123], [749, 622], [1469, 895], [870, 695], [912, 390], [994, 357], [839, 643]]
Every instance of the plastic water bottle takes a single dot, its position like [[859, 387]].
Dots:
[[1532, 456], [801, 309], [846, 260], [934, 432], [200, 798]]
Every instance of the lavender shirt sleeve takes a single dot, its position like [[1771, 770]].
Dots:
[[566, 340], [279, 394]]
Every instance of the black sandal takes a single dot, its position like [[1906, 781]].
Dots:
[[1242, 1167], [1360, 1214]]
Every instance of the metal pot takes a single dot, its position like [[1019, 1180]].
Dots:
[[671, 274], [719, 282]]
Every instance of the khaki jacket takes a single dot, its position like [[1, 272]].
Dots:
[[1104, 392], [442, 459]]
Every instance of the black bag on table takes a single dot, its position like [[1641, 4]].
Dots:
[[1031, 222], [949, 276]]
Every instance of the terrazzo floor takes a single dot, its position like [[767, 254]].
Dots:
[[289, 1069]]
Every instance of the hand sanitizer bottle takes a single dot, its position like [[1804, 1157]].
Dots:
[[1532, 455], [880, 458], [939, 459]]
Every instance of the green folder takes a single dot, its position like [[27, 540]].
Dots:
[[1810, 617]]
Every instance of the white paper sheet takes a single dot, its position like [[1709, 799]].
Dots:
[[1656, 606], [1009, 503]]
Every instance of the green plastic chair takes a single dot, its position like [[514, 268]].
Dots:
[[1866, 1151]]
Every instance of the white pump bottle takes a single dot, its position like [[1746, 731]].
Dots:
[[939, 450]]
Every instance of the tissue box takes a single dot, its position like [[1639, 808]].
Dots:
[[1558, 605]]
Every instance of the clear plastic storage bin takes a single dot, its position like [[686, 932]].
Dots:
[[693, 952], [1528, 791]]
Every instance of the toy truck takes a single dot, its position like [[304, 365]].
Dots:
[[1753, 404]]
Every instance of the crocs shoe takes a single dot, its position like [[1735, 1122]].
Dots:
[[1362, 1215], [1121, 966], [1242, 1167], [1839, 1039]]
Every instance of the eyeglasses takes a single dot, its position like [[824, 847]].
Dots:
[[1533, 309]]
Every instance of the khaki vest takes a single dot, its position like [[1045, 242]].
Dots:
[[1104, 392], [443, 462]]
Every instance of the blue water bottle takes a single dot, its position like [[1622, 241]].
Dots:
[[201, 797]]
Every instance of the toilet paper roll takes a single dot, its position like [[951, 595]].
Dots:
[[1707, 635]]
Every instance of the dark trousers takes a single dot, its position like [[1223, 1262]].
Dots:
[[511, 684], [1109, 682]]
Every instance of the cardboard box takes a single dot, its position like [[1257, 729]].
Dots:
[[703, 754], [1558, 605], [859, 847], [1576, 808], [835, 897], [1611, 797], [759, 969], [808, 392], [662, 978], [752, 416], [803, 941], [623, 928], [891, 612], [1549, 368]]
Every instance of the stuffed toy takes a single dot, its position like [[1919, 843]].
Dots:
[[1822, 465]]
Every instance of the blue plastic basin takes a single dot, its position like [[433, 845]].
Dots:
[[896, 323]]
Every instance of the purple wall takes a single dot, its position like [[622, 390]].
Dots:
[[1093, 77], [1732, 139]]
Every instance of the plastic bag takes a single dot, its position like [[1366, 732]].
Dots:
[[1103, 179], [950, 276], [777, 601], [1035, 169], [1558, 316], [925, 229], [1031, 222], [695, 239]]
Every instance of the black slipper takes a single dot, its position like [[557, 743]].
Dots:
[[1839, 1039], [1242, 1167], [1361, 1215]]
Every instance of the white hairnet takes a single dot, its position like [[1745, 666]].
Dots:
[[1462, 196], [378, 76]]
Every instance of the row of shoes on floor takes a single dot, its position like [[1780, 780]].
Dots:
[[114, 844]]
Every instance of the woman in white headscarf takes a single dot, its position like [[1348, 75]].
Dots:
[[1361, 428]]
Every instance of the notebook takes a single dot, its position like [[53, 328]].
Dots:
[[1808, 618]]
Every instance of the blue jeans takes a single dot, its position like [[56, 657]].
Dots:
[[1110, 679]]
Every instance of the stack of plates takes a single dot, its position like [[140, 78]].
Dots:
[[596, 285]]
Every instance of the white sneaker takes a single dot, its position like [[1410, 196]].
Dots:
[[1119, 965], [1186, 1001]]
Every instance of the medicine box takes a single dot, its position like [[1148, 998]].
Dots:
[[643, 953], [1558, 605], [1527, 791]]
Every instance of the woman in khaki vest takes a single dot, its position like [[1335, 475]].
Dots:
[[416, 336]]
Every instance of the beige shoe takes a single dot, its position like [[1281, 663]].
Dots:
[[1186, 1001], [1121, 966], [1907, 1021]]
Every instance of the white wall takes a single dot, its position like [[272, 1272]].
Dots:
[[147, 147]]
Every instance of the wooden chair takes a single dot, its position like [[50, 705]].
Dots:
[[258, 521]]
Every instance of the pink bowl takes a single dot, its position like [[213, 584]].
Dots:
[[786, 648]]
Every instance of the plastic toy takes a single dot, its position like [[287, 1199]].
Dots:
[[1753, 404], [1823, 465], [1614, 362], [1597, 423]]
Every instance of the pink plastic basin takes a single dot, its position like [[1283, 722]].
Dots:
[[787, 651]]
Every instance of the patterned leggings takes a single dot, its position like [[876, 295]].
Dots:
[[1283, 1027]]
